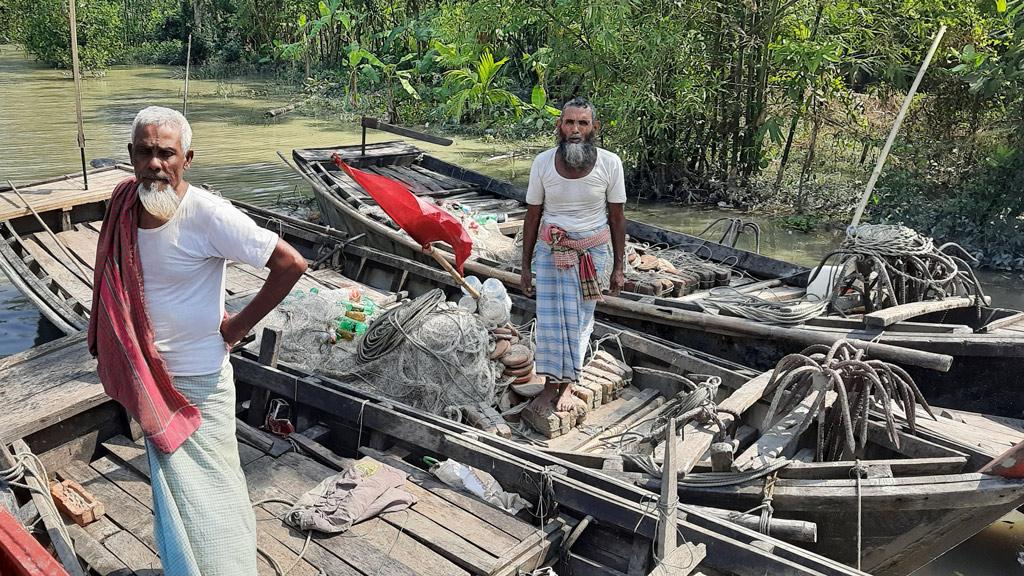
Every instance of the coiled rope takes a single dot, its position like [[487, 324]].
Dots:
[[785, 313], [394, 324], [892, 265]]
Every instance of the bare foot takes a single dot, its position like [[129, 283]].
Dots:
[[544, 401], [566, 401]]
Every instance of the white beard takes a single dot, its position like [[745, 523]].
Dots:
[[578, 155], [159, 200]]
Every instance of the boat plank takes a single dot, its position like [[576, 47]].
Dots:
[[698, 437], [603, 418], [81, 243], [482, 510], [57, 403], [97, 556], [298, 474], [294, 475], [61, 193], [268, 523], [281, 553], [59, 271], [122, 508], [780, 440], [893, 314], [390, 173], [447, 181], [133, 552], [423, 180], [899, 466]]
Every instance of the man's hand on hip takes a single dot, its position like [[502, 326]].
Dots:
[[526, 282], [617, 282], [231, 330]]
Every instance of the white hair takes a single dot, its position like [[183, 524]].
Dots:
[[160, 116]]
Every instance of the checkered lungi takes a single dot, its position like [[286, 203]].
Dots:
[[204, 522], [564, 319]]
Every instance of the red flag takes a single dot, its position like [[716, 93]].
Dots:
[[425, 222]]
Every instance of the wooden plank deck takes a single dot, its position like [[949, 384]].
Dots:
[[47, 384], [444, 534], [65, 192]]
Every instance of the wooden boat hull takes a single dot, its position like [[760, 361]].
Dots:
[[905, 545], [992, 359]]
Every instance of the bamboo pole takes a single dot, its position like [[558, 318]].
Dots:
[[436, 255], [896, 128], [188, 59], [78, 87]]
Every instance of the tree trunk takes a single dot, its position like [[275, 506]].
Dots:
[[805, 172]]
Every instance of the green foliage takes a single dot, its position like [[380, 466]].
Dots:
[[167, 52], [981, 209], [474, 91], [8, 22], [799, 222], [44, 29]]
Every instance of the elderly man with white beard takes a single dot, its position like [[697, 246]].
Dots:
[[575, 202], [161, 335]]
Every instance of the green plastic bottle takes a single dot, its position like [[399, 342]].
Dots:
[[350, 325]]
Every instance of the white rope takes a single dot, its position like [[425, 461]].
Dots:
[[785, 312]]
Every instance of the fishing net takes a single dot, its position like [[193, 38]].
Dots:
[[426, 352]]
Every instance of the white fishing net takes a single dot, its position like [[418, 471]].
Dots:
[[439, 357]]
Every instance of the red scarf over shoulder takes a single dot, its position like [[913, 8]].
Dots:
[[121, 337]]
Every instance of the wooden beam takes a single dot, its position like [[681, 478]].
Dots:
[[698, 437], [894, 314], [375, 124], [48, 513], [668, 503]]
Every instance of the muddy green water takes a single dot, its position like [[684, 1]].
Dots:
[[235, 153]]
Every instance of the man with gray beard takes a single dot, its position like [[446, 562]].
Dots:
[[575, 206], [161, 336]]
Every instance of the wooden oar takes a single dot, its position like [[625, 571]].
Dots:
[[85, 276]]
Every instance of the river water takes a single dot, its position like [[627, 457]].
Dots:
[[235, 153]]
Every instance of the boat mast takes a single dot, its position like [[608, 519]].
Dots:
[[78, 87]]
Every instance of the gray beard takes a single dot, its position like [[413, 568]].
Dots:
[[161, 200], [579, 155]]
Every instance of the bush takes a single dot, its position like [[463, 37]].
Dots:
[[45, 32], [166, 52], [982, 210]]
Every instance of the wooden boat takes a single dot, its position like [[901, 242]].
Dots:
[[58, 411], [938, 501], [987, 342]]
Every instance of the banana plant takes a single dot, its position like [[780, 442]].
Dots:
[[474, 90]]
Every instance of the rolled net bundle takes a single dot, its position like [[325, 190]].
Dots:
[[426, 353]]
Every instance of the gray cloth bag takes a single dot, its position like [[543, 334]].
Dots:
[[359, 493]]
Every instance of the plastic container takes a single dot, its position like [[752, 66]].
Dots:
[[350, 325], [492, 310], [474, 282], [468, 303], [493, 288]]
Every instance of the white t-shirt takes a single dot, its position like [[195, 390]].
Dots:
[[576, 205], [183, 266]]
